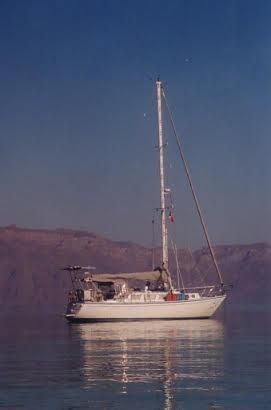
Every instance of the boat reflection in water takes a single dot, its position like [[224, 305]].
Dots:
[[168, 359]]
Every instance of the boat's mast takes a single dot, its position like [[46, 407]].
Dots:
[[162, 178]]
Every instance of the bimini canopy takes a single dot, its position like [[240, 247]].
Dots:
[[115, 277]]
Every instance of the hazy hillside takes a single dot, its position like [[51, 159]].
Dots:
[[30, 262]]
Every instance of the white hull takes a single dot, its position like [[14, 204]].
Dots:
[[117, 311]]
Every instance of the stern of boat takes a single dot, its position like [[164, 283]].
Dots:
[[73, 309]]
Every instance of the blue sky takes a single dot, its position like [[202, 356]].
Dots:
[[77, 117]]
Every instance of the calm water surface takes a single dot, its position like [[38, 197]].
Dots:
[[47, 363]]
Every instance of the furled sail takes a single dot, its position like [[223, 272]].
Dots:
[[157, 275]]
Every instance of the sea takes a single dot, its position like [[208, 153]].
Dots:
[[220, 363]]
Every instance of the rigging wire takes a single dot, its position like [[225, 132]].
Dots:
[[153, 240], [193, 190], [178, 273]]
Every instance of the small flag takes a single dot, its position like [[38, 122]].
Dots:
[[171, 217]]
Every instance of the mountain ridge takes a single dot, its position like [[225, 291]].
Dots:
[[31, 259]]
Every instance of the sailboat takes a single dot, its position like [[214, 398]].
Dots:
[[111, 297]]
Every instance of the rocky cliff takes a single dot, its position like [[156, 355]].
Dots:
[[30, 262]]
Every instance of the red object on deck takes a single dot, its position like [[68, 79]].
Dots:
[[170, 297]]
